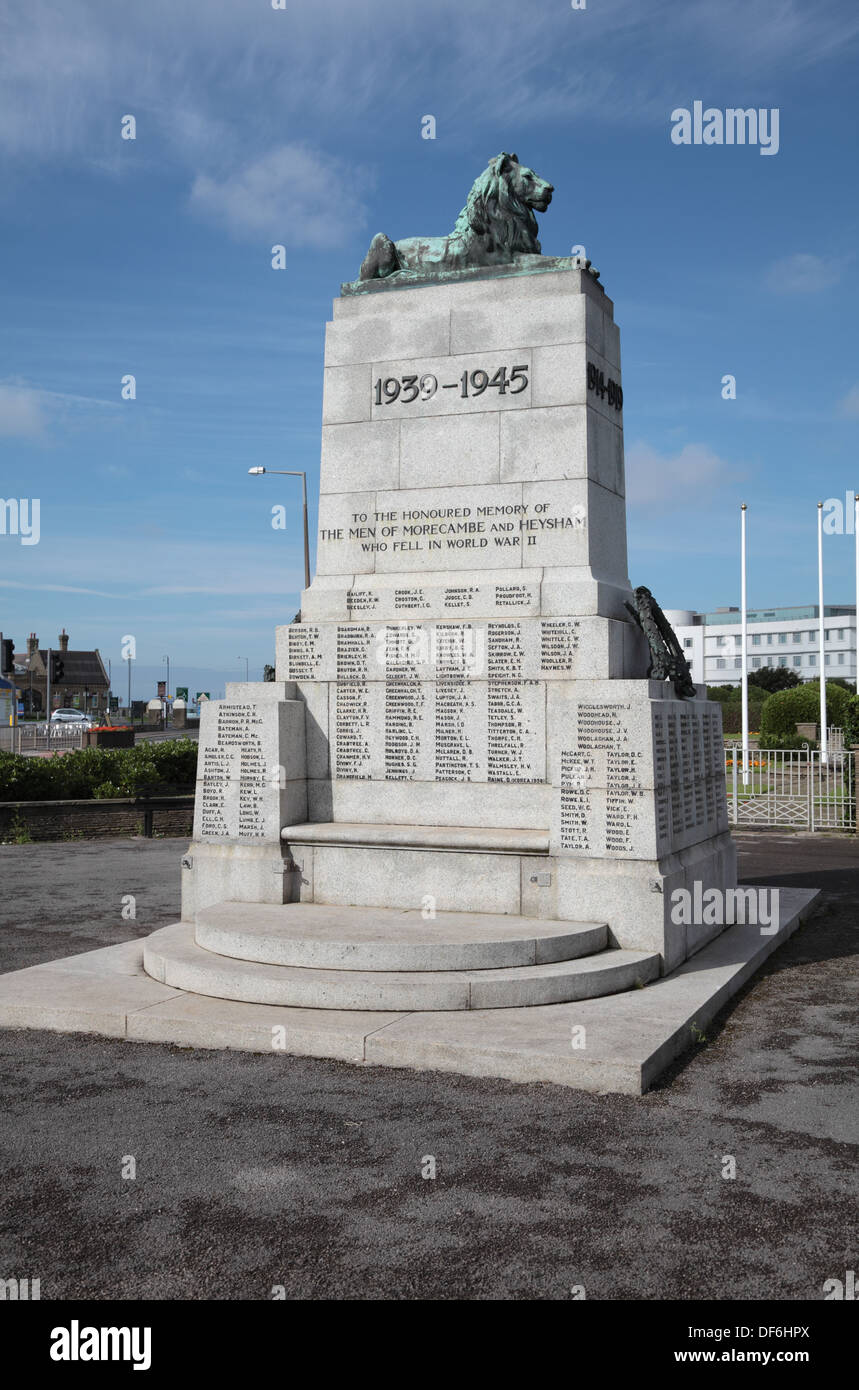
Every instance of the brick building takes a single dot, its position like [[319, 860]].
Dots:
[[83, 684]]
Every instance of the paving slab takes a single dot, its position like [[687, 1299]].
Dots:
[[123, 959], [66, 998], [196, 1020]]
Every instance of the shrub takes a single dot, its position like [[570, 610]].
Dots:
[[851, 721], [779, 741], [784, 710], [732, 714], [89, 772]]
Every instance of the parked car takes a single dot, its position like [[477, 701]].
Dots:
[[67, 721]]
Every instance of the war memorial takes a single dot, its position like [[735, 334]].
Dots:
[[452, 831]]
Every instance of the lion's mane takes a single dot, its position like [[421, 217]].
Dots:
[[494, 212]]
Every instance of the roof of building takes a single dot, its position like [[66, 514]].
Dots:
[[79, 667]]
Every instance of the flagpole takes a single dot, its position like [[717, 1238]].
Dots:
[[823, 731], [744, 675]]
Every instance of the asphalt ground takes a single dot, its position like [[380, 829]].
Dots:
[[254, 1172]]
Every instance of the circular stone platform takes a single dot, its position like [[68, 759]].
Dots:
[[175, 956], [315, 936]]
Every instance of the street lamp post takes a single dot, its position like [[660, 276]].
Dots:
[[167, 691], [294, 473], [245, 659]]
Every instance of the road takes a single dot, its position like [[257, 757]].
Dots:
[[257, 1171]]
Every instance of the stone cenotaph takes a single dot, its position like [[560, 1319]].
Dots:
[[467, 788]]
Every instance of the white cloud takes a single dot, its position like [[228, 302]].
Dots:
[[293, 195], [145, 561], [693, 474], [850, 404], [28, 412], [208, 83], [803, 273], [22, 414], [54, 588]]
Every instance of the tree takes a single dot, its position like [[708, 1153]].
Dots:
[[773, 678]]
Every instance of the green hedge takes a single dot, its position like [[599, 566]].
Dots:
[[732, 715], [784, 710], [851, 721], [157, 768]]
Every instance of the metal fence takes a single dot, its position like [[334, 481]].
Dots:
[[791, 787], [41, 738]]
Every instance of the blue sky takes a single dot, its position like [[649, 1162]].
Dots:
[[302, 126]]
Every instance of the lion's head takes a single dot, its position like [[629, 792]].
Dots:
[[501, 205]]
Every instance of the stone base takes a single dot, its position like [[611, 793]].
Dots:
[[482, 869], [636, 896], [236, 873], [627, 1041]]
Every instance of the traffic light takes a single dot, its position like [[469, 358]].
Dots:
[[6, 661], [58, 669]]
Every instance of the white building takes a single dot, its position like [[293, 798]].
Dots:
[[776, 637]]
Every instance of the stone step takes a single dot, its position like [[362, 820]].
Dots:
[[482, 839], [320, 937], [172, 956]]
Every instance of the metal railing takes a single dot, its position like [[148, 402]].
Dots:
[[791, 787], [41, 738]]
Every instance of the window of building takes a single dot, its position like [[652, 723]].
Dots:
[[841, 634], [782, 661], [720, 641], [737, 641], [756, 661], [782, 637], [687, 641], [738, 662], [797, 636], [826, 658], [840, 658], [797, 661], [812, 636], [720, 663], [769, 639], [812, 658], [756, 640]]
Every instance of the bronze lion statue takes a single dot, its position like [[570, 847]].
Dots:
[[496, 225]]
